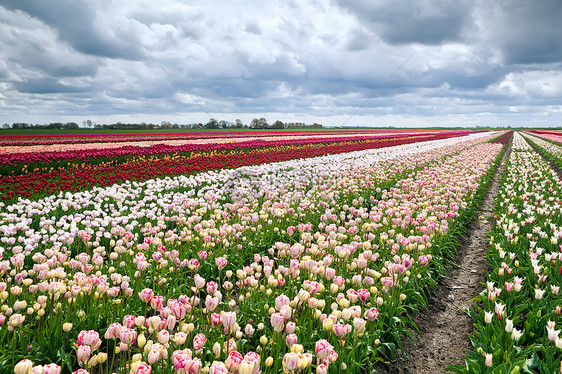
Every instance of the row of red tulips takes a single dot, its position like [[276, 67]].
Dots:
[[23, 163], [79, 154], [87, 175]]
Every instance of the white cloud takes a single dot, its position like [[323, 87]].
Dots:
[[308, 59], [530, 84]]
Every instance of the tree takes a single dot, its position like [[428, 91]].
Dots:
[[278, 125], [212, 124], [238, 123], [255, 124]]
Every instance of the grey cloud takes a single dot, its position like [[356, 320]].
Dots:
[[526, 32], [253, 27], [414, 21], [45, 86], [75, 22]]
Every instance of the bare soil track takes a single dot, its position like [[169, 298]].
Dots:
[[445, 326]]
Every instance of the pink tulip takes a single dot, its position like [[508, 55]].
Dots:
[[90, 338], [193, 264], [363, 294], [142, 368], [129, 321], [157, 302], [83, 354], [290, 327], [291, 340], [218, 368], [199, 281], [323, 349], [281, 301], [199, 341], [154, 355], [250, 364], [423, 260], [352, 295], [339, 280], [127, 336], [163, 336], [233, 361], [113, 331], [52, 369], [215, 319], [211, 303], [178, 309], [221, 262], [290, 362], [277, 322], [211, 287], [371, 314], [228, 320], [249, 330], [171, 322], [359, 325], [194, 366], [181, 361]]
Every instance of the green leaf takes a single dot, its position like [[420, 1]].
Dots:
[[532, 363]]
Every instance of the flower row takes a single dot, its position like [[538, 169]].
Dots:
[[83, 174], [517, 323]]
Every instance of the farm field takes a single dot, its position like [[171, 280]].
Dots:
[[290, 252]]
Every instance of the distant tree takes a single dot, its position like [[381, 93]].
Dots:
[[278, 125], [316, 125], [263, 123], [238, 123], [165, 125], [225, 124], [255, 124], [212, 124]]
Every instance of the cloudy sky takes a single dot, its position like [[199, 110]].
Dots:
[[464, 63]]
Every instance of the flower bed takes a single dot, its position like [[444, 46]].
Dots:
[[304, 265], [27, 141], [73, 171], [517, 323]]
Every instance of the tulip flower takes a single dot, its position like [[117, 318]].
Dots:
[[23, 367], [290, 362], [233, 361]]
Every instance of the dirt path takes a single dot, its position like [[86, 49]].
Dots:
[[444, 327]]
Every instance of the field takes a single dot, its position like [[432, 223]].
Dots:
[[291, 251]]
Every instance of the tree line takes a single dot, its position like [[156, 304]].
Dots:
[[256, 123]]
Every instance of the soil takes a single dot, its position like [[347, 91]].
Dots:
[[445, 326]]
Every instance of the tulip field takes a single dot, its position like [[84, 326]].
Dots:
[[289, 253], [29, 170], [517, 327]]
